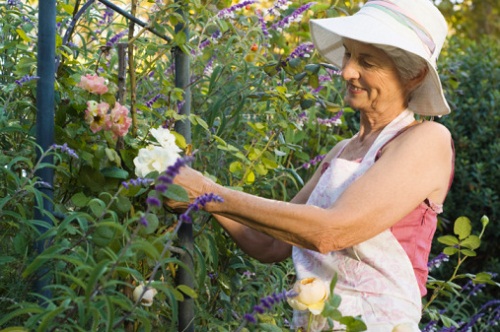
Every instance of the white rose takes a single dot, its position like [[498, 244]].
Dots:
[[157, 158], [165, 138], [147, 298], [311, 295]]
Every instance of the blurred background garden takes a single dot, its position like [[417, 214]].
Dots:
[[244, 93]]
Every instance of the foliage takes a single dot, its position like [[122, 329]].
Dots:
[[471, 77], [265, 109]]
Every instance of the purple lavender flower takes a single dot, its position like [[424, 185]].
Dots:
[[139, 182], [170, 69], [263, 25], [150, 102], [302, 51], [266, 304], [314, 161], [209, 68], [335, 120], [153, 201], [13, 2], [107, 17], [66, 149], [278, 6], [430, 327], [293, 17], [116, 38], [143, 221], [437, 261], [229, 12], [25, 79], [198, 203], [168, 176]]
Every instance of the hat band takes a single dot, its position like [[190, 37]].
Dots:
[[406, 19]]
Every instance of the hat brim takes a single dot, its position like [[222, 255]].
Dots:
[[428, 99]]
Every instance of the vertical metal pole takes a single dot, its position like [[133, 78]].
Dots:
[[185, 276], [45, 124]]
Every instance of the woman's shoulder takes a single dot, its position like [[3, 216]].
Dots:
[[427, 133]]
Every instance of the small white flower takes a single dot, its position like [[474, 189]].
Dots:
[[147, 298]]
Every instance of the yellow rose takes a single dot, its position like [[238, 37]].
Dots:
[[311, 295], [403, 328]]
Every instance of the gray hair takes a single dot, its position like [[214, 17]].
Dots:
[[408, 64]]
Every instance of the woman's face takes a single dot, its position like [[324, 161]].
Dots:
[[373, 82]]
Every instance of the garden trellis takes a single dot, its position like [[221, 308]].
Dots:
[[45, 135]]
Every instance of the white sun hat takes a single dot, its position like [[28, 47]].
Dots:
[[415, 26]]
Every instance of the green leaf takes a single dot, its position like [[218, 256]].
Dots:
[[468, 252], [97, 272], [115, 173], [462, 227], [448, 240], [80, 199], [353, 324], [6, 259], [152, 224], [176, 193], [450, 251], [188, 291], [471, 242]]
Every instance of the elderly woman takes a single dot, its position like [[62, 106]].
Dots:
[[369, 212]]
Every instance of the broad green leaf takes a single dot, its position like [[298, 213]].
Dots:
[[471, 242], [468, 252], [80, 199], [462, 227], [450, 251], [448, 240], [353, 324]]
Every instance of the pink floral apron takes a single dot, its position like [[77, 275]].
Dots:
[[375, 278]]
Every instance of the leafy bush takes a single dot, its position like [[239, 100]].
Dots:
[[471, 78]]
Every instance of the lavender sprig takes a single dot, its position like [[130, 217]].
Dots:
[[229, 12], [293, 17], [314, 161], [142, 182], [278, 6], [266, 303], [263, 25], [199, 203], [302, 51], [66, 149], [113, 40], [437, 261], [25, 79]]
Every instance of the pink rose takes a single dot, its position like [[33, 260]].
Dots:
[[96, 115], [119, 122], [93, 84]]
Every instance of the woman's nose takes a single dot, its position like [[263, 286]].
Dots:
[[349, 70]]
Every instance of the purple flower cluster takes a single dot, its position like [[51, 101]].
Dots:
[[13, 2], [25, 79], [142, 182], [335, 120], [107, 17], [204, 44], [314, 161], [150, 102], [293, 17], [209, 68], [171, 172], [229, 12], [116, 38], [437, 261], [278, 6], [267, 303], [302, 51], [66, 149], [263, 25], [199, 203]]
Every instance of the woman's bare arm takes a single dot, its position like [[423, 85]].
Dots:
[[413, 167], [260, 245]]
